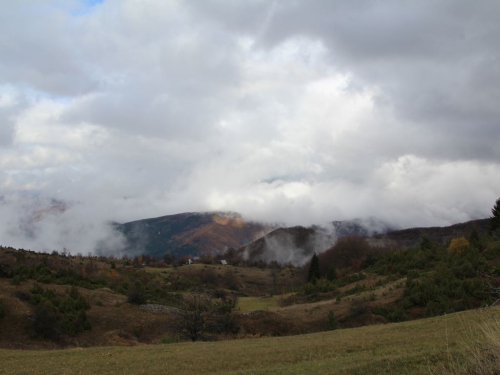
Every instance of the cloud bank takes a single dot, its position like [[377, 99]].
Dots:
[[299, 112]]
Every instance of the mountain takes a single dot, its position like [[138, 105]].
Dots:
[[293, 245], [297, 244], [361, 227], [190, 233], [411, 237]]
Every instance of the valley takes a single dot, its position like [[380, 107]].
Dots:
[[91, 305]]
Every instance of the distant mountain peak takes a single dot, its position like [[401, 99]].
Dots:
[[190, 233]]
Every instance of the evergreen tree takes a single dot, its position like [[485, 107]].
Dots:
[[426, 243], [474, 238], [495, 219], [313, 273], [331, 322]]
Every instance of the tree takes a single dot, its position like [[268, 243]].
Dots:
[[474, 239], [313, 273], [196, 315], [458, 245], [343, 253], [495, 219]]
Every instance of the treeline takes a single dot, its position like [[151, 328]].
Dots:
[[444, 279], [440, 279]]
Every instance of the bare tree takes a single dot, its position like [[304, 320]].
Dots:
[[491, 284], [196, 315]]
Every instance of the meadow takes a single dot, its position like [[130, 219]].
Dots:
[[433, 345]]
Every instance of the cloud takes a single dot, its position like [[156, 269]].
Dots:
[[32, 222], [287, 111]]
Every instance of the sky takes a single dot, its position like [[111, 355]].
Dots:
[[296, 111]]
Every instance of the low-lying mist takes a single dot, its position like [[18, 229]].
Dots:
[[41, 224]]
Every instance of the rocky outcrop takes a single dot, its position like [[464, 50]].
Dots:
[[159, 309]]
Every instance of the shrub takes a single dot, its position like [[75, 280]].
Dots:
[[75, 322], [56, 315], [331, 322], [458, 244], [358, 308], [23, 296], [3, 312], [331, 274], [137, 297], [16, 280], [45, 323], [4, 272], [170, 338]]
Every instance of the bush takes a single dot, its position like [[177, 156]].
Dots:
[[56, 315], [23, 296], [45, 322], [16, 280], [331, 322], [75, 322], [3, 312], [397, 315], [170, 339], [4, 272], [358, 308], [331, 274], [137, 297]]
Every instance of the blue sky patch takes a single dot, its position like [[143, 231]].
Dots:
[[92, 2], [86, 7]]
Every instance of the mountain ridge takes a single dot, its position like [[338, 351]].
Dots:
[[190, 233]]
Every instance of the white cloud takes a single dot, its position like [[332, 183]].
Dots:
[[297, 112]]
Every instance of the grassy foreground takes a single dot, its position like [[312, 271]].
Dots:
[[416, 347]]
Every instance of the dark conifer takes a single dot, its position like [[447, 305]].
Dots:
[[495, 219], [313, 273], [474, 238]]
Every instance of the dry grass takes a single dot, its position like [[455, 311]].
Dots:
[[480, 350], [252, 281], [109, 314], [417, 347], [260, 303]]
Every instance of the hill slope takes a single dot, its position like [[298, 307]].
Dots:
[[190, 233], [412, 237], [417, 347], [293, 245], [297, 244]]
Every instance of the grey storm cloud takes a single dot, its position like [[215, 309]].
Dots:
[[435, 62], [299, 112]]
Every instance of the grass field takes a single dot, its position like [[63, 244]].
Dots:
[[416, 347], [259, 303]]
